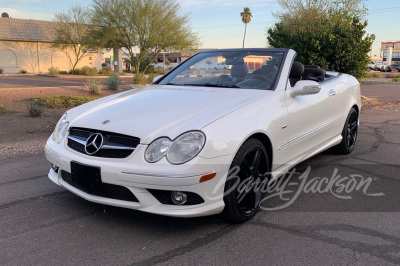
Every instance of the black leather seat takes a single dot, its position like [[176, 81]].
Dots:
[[239, 72], [296, 73], [314, 73]]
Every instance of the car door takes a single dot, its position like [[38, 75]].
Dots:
[[312, 120]]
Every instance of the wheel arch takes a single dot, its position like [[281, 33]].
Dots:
[[264, 139]]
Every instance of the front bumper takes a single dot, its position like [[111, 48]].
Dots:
[[135, 174]]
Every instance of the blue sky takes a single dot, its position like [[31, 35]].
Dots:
[[218, 22]]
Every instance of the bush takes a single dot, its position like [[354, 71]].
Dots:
[[377, 75], [63, 72], [113, 82], [35, 109], [4, 111], [396, 79], [62, 101], [393, 74], [160, 71], [1, 71], [139, 78], [105, 71], [54, 71], [151, 77], [87, 71], [93, 85], [22, 71]]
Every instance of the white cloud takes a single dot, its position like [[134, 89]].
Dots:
[[14, 13]]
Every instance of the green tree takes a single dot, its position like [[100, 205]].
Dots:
[[246, 18], [71, 34], [330, 34], [150, 26]]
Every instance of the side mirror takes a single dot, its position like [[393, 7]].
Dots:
[[305, 87], [157, 78]]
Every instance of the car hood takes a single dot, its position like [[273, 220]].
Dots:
[[158, 110]]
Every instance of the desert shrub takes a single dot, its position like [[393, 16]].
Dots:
[[54, 71], [151, 77], [22, 71], [377, 75], [63, 72], [89, 71], [86, 71], [113, 82], [35, 109], [159, 70], [396, 79], [393, 74], [4, 111], [62, 101], [93, 86], [139, 78], [1, 71], [105, 71]]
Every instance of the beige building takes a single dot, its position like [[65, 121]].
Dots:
[[395, 51], [26, 44]]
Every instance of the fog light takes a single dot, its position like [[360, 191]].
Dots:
[[55, 168], [178, 197]]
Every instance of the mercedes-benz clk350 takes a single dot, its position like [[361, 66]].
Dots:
[[194, 142]]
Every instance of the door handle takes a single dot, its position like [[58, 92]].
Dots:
[[332, 93]]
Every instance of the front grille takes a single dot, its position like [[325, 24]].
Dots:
[[114, 145], [164, 197], [98, 188]]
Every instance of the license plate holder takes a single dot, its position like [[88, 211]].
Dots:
[[86, 176]]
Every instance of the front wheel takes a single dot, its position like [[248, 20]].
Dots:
[[247, 177], [349, 133]]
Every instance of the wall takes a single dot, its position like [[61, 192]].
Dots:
[[38, 58]]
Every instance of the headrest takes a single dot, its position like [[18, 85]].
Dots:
[[297, 70], [234, 61], [311, 66], [239, 71]]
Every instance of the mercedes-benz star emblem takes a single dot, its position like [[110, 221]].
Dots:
[[94, 143]]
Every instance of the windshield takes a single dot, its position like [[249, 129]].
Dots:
[[229, 69]]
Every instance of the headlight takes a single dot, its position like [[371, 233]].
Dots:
[[61, 129], [157, 149], [179, 151], [186, 147]]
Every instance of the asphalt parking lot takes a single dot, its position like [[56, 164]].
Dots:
[[42, 224]]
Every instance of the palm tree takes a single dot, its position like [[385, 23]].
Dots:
[[246, 18]]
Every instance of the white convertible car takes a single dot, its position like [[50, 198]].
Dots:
[[168, 148]]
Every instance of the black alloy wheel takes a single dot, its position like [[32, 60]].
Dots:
[[244, 187], [349, 133]]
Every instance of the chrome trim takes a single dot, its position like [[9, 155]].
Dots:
[[105, 147], [112, 147], [311, 131], [80, 141], [167, 175]]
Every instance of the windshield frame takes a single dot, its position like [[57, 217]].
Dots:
[[258, 50]]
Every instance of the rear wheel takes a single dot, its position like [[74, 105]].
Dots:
[[249, 173], [349, 133]]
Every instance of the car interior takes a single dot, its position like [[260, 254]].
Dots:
[[305, 72]]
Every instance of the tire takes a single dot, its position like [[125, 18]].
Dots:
[[252, 160], [349, 134]]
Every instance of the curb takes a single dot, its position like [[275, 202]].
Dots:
[[379, 82]]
